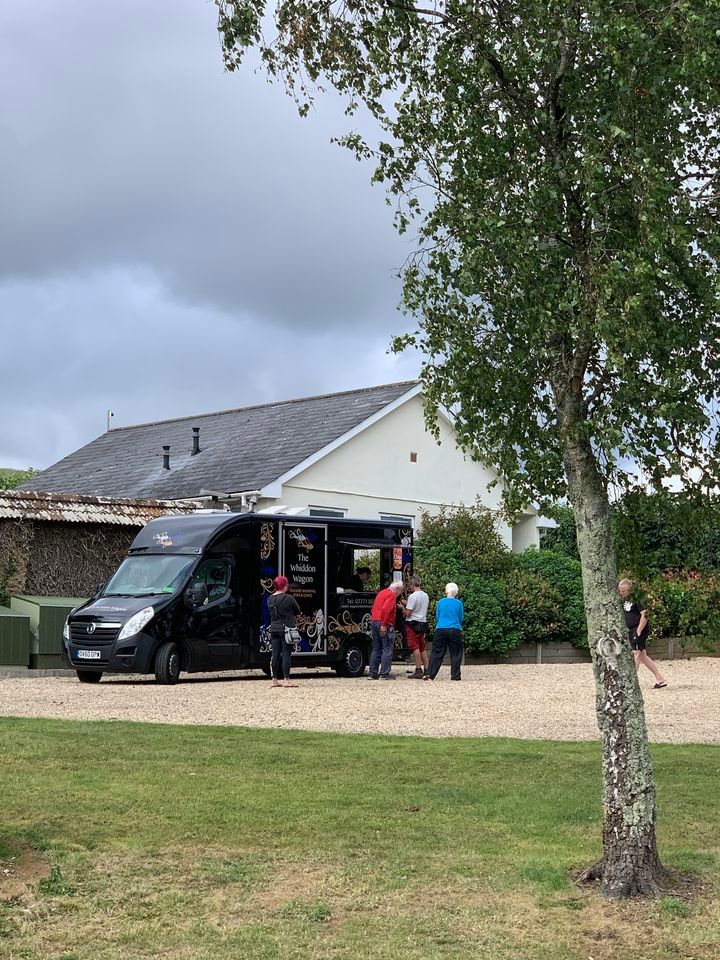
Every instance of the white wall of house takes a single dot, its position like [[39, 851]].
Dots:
[[375, 473], [525, 534]]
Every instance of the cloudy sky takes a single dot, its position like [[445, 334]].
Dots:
[[173, 239]]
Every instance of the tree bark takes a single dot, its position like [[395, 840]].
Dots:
[[630, 864]]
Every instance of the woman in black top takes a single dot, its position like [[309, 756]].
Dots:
[[283, 609], [638, 628]]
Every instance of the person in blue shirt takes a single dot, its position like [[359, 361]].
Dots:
[[449, 615]]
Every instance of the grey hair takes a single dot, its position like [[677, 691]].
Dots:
[[398, 584], [625, 581], [416, 581], [452, 589]]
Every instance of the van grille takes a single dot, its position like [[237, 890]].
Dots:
[[102, 634]]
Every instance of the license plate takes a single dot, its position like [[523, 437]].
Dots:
[[88, 654]]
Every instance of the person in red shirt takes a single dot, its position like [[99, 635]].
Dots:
[[383, 614]]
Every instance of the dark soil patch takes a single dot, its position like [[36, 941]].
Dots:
[[21, 872]]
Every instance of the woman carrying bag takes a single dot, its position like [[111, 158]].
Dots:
[[283, 631]]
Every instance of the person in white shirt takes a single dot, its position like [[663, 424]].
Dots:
[[415, 609]]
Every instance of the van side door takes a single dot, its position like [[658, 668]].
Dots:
[[214, 634]]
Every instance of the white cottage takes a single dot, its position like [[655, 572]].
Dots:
[[360, 453]]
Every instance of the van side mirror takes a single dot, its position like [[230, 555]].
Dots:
[[196, 595]]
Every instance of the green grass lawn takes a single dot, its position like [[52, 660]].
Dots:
[[215, 843]]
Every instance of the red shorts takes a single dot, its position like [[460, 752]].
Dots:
[[415, 640]]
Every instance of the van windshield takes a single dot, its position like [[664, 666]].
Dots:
[[140, 576]]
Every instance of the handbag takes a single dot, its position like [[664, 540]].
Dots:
[[292, 636]]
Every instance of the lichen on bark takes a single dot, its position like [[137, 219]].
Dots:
[[630, 863]]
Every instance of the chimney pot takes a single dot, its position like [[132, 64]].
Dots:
[[166, 457], [196, 441]]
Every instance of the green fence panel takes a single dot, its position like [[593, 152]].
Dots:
[[14, 638], [47, 617]]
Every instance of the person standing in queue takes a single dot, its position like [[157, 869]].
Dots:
[[415, 609], [449, 616], [283, 608], [383, 614], [636, 620]]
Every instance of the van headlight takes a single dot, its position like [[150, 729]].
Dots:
[[66, 629], [136, 623]]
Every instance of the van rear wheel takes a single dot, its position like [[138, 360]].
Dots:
[[89, 676], [354, 661], [167, 664]]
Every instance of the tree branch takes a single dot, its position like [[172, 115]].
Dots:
[[421, 11], [553, 98]]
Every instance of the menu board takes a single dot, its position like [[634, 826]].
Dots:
[[304, 563]]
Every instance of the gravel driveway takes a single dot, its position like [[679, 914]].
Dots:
[[547, 701]]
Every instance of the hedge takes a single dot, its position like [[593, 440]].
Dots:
[[564, 574], [684, 605], [508, 600], [537, 597]]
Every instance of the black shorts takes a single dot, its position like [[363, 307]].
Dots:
[[638, 642]]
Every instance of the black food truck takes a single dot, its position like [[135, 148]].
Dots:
[[192, 595]]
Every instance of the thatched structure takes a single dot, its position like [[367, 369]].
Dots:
[[62, 545]]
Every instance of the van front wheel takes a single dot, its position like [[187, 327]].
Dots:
[[354, 661], [167, 664], [89, 676]]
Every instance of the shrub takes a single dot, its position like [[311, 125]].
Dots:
[[508, 600], [488, 628], [685, 604], [474, 534], [534, 607], [438, 563], [564, 574], [657, 531], [563, 538], [652, 532], [9, 479], [463, 545]]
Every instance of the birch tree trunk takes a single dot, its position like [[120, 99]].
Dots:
[[630, 864]]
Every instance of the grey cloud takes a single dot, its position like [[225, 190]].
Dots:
[[116, 340], [173, 239], [126, 144]]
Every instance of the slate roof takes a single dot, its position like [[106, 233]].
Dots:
[[28, 505], [241, 449]]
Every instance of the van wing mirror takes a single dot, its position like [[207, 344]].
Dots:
[[196, 595]]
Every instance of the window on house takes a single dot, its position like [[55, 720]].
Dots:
[[398, 520], [326, 512]]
